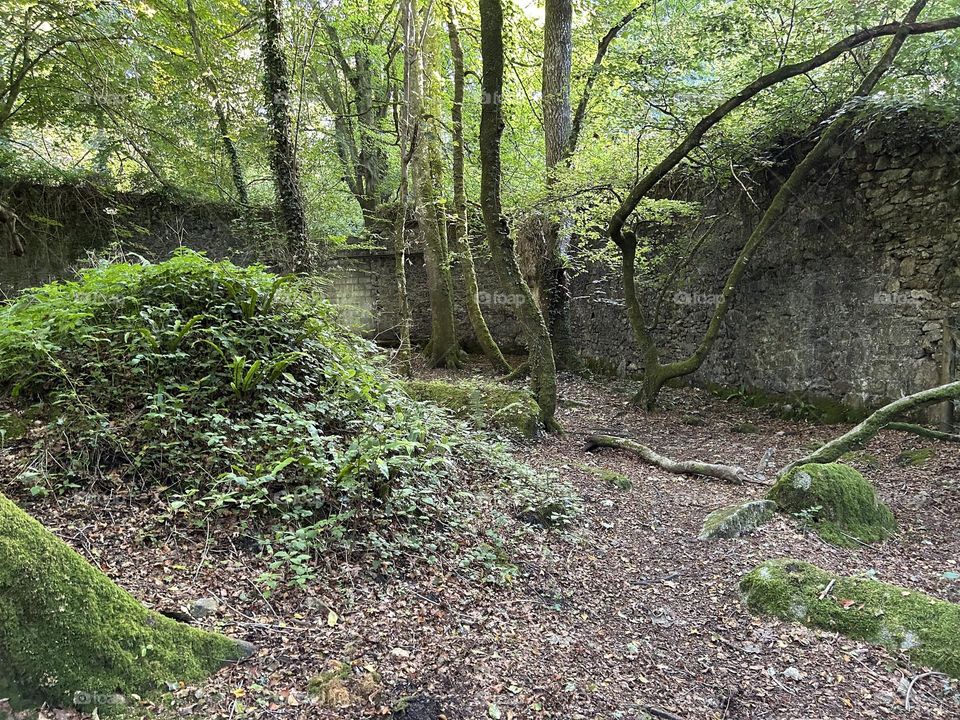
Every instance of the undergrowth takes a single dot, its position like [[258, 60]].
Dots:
[[236, 392]]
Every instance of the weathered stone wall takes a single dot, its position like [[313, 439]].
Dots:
[[61, 225], [849, 299]]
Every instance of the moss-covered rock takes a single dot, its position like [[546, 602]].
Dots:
[[610, 477], [836, 501], [485, 404], [745, 428], [736, 520], [916, 457], [924, 627], [68, 635]]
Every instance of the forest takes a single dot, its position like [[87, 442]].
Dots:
[[480, 359]]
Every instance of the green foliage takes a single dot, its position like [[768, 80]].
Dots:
[[239, 395], [835, 501], [925, 628], [68, 635]]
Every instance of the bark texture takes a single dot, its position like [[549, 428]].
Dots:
[[283, 153], [543, 372]]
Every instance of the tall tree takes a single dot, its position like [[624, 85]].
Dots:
[[443, 347], [557, 127], [543, 371], [283, 152], [219, 107], [460, 233]]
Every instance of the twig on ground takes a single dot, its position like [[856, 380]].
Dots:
[[662, 714], [827, 589], [913, 681]]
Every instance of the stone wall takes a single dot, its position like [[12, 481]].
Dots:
[[854, 297], [60, 226]]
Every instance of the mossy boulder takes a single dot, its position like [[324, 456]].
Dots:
[[737, 520], [924, 627], [836, 501], [70, 636], [489, 405]]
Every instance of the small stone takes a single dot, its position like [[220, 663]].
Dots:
[[792, 673], [204, 607]]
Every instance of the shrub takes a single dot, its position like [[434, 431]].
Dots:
[[237, 392]]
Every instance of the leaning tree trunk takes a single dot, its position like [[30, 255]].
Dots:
[[462, 241], [443, 348], [223, 127], [283, 153], [656, 374], [543, 372], [8, 228], [70, 636], [557, 128], [882, 418]]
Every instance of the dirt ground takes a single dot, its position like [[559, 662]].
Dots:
[[625, 613]]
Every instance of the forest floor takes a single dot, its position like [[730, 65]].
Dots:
[[624, 611]]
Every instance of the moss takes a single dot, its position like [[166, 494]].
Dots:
[[610, 477], [329, 687], [12, 427], [836, 500], [486, 404], [804, 407], [916, 458], [745, 428], [68, 634], [859, 457], [902, 620], [730, 522]]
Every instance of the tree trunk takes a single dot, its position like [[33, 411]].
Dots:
[[657, 374], [543, 374], [882, 418], [283, 154], [223, 128], [461, 239], [443, 349], [70, 636], [557, 127]]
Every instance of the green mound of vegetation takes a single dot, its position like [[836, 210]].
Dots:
[[924, 627], [836, 501], [69, 636], [237, 392], [488, 405]]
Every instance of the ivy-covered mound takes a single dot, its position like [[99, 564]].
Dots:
[[68, 635], [239, 393], [837, 502], [924, 627]]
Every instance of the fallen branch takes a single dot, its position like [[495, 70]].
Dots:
[[865, 431], [662, 714], [906, 700], [923, 431], [727, 473]]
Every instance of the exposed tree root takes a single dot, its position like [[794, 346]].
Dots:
[[519, 372], [865, 431], [727, 473]]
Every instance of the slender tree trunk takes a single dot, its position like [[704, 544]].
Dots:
[[443, 348], [223, 127], [657, 374], [543, 374], [557, 128], [461, 239], [283, 154]]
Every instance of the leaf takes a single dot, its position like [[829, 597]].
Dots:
[[332, 618], [493, 711]]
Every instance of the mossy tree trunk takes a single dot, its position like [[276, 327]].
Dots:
[[283, 152], [543, 372], [884, 417], [461, 238], [70, 636], [656, 373], [443, 348]]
